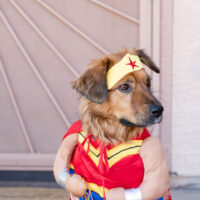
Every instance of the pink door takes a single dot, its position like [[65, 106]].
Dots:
[[44, 45]]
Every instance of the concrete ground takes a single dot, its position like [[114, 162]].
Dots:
[[33, 194], [185, 194], [36, 193]]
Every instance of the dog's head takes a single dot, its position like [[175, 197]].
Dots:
[[130, 100]]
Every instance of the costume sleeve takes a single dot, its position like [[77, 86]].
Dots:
[[75, 128], [156, 177]]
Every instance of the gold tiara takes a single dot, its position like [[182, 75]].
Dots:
[[129, 63]]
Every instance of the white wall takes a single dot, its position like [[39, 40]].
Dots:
[[186, 88]]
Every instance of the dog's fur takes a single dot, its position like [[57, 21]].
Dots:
[[111, 115]]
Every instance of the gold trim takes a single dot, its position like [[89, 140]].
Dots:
[[113, 155], [129, 63], [98, 189]]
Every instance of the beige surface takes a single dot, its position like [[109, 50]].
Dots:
[[60, 194], [33, 194], [186, 109]]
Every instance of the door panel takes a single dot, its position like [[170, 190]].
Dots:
[[45, 45]]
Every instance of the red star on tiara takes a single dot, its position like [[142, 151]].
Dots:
[[132, 63]]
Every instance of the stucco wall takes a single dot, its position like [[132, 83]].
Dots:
[[186, 88]]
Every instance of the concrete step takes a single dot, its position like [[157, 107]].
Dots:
[[34, 193]]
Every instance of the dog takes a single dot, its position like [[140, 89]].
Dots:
[[116, 115], [116, 106]]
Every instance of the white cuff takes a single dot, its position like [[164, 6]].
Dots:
[[133, 194], [62, 178]]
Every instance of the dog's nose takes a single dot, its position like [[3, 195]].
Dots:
[[156, 110]]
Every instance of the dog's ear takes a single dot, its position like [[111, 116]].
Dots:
[[147, 60], [93, 83]]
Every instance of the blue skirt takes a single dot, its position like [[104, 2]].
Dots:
[[94, 196], [91, 195]]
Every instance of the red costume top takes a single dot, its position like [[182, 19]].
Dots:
[[106, 166]]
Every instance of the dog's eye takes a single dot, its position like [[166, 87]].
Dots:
[[124, 88]]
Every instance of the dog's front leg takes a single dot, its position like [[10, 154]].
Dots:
[[156, 177]]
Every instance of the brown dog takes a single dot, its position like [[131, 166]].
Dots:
[[116, 115]]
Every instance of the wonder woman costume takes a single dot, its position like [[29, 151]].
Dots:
[[105, 166]]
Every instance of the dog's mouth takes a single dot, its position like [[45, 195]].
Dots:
[[157, 120], [127, 123]]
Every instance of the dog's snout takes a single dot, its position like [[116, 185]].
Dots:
[[156, 110]]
